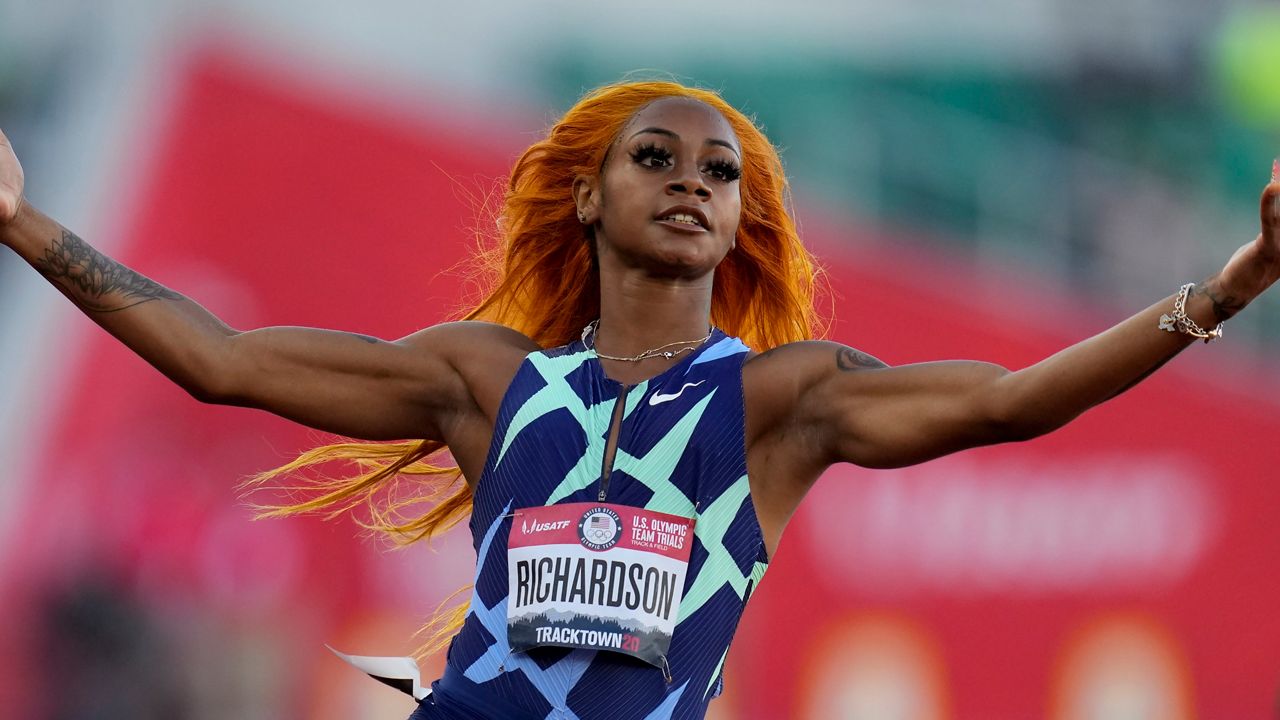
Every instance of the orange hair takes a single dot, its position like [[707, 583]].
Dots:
[[763, 292]]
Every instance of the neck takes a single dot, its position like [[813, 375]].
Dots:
[[639, 313]]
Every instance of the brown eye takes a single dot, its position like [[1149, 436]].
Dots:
[[651, 156], [723, 170]]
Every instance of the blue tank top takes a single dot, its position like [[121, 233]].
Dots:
[[680, 450]]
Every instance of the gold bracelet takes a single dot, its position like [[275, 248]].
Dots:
[[1179, 322]]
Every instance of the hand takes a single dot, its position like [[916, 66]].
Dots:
[[11, 182], [1254, 267]]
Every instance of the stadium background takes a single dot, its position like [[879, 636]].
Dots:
[[990, 181]]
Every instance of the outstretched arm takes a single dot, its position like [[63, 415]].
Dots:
[[338, 382], [853, 408]]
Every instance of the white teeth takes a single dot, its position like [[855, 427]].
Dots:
[[683, 218]]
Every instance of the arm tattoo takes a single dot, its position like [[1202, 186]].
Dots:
[[367, 338], [92, 277], [848, 359], [1225, 306]]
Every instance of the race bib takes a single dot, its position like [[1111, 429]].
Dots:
[[596, 576]]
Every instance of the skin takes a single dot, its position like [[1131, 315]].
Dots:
[[808, 404]]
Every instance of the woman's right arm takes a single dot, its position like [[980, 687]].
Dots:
[[339, 382]]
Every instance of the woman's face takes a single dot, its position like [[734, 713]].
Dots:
[[667, 199]]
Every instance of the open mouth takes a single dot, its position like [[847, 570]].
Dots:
[[685, 218]]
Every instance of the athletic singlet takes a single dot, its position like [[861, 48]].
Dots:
[[680, 450]]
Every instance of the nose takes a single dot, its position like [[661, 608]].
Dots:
[[688, 180]]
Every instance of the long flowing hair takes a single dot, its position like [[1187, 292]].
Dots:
[[763, 292]]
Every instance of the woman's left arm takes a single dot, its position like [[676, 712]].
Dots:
[[856, 409]]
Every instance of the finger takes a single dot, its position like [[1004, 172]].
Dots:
[[1271, 200]]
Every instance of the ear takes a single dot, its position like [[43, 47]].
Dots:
[[586, 196]]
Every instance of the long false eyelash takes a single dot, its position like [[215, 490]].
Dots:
[[650, 150], [724, 170]]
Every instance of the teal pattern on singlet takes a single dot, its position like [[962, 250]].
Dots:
[[680, 450]]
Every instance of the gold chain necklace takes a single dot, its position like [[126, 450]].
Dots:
[[593, 327]]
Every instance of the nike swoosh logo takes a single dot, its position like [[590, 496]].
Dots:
[[659, 398]]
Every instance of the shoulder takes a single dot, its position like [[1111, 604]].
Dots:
[[806, 361], [482, 356], [776, 382], [473, 331], [467, 340]]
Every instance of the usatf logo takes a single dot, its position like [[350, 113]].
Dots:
[[599, 528], [528, 528]]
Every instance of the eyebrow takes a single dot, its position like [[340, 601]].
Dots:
[[673, 136]]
